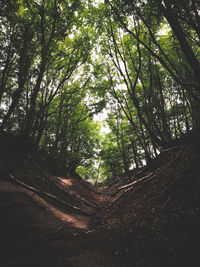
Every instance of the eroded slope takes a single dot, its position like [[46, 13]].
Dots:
[[150, 218]]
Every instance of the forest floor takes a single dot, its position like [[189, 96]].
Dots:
[[149, 218]]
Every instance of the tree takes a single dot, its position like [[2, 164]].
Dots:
[[64, 61]]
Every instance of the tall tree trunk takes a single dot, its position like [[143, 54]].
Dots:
[[31, 112], [178, 31], [5, 72]]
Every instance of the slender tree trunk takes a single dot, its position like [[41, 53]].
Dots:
[[15, 101], [5, 72], [135, 154], [31, 112], [165, 128], [186, 48]]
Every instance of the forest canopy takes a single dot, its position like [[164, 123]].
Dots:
[[64, 62]]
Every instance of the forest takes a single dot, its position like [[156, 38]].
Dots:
[[99, 133], [65, 65]]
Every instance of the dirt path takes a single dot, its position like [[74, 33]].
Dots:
[[41, 210], [149, 220]]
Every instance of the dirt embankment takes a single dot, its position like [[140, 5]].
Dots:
[[148, 219]]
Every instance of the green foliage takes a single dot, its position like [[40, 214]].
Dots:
[[62, 62]]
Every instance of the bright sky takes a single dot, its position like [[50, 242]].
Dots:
[[96, 2], [101, 117]]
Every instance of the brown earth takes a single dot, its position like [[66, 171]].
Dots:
[[149, 218]]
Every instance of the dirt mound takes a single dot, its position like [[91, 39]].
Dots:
[[150, 218]]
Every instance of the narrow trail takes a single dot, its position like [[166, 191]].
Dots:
[[149, 218]]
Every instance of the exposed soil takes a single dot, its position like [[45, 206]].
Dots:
[[149, 218]]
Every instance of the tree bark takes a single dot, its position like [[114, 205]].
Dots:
[[178, 31]]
